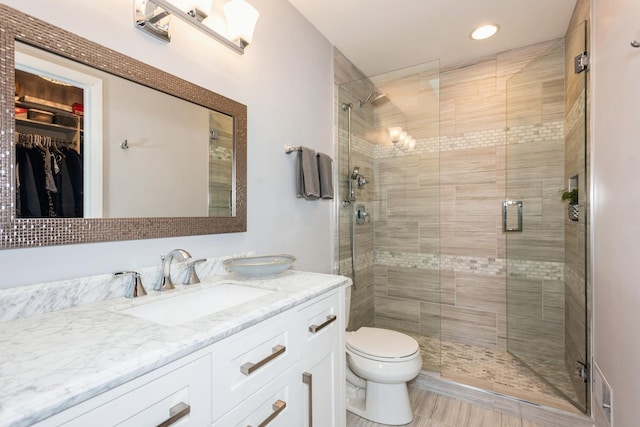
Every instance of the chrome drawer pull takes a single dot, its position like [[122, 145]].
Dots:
[[176, 412], [307, 378], [315, 328], [249, 367], [278, 406]]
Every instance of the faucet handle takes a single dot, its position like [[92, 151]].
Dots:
[[192, 276], [135, 288]]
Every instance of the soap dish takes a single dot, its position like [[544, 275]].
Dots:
[[260, 266]]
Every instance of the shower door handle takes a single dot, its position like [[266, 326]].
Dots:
[[507, 212]]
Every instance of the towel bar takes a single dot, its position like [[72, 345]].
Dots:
[[288, 149]]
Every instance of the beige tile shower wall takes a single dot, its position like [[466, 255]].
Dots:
[[351, 86], [221, 165], [535, 175], [438, 208], [407, 191]]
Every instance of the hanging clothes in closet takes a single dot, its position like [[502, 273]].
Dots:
[[49, 177]]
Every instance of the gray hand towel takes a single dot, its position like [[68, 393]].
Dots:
[[326, 176], [307, 178]]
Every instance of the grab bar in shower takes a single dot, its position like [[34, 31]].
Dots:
[[505, 215]]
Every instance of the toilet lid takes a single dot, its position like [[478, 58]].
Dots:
[[381, 343]]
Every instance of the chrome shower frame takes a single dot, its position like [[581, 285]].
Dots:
[[351, 196]]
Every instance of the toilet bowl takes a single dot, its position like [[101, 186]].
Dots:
[[379, 364]]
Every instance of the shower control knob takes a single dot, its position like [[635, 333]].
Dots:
[[361, 181], [361, 215]]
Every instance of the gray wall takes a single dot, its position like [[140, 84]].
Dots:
[[616, 248], [286, 83]]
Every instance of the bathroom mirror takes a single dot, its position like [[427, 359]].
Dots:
[[225, 124], [132, 146]]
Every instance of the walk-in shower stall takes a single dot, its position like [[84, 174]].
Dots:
[[467, 243]]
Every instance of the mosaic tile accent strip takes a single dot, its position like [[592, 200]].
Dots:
[[536, 133], [466, 264], [426, 145], [474, 265], [220, 153], [362, 261], [488, 138], [546, 270], [410, 260], [485, 138]]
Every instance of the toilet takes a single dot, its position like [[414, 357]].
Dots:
[[379, 364]]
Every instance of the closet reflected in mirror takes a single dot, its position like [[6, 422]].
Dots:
[[48, 147], [93, 145]]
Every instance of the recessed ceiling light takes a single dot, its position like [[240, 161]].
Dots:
[[484, 31]]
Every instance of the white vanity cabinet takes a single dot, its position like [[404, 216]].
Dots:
[[178, 393], [323, 364], [298, 386], [287, 370]]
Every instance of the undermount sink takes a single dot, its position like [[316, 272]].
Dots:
[[193, 305]]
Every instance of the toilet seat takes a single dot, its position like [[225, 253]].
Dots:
[[381, 344]]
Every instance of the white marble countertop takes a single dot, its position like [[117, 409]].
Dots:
[[50, 362]]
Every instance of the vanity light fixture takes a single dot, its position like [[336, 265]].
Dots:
[[153, 17], [403, 138], [241, 21], [485, 31], [394, 133]]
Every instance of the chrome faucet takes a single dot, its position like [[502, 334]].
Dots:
[[135, 288], [165, 282]]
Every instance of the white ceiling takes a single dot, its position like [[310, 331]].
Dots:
[[383, 35]]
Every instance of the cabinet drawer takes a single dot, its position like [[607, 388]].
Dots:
[[279, 403], [150, 404], [251, 359], [320, 320]]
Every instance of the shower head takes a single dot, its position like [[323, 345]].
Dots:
[[373, 98]]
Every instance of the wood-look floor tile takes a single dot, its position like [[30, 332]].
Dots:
[[446, 410], [423, 402], [435, 410], [511, 421]]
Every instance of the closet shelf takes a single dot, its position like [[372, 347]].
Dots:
[[47, 126]]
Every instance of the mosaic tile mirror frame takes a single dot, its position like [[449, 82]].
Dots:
[[33, 232]]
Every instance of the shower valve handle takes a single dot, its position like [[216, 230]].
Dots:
[[361, 215], [361, 181]]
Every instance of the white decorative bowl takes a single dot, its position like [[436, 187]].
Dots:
[[260, 266]]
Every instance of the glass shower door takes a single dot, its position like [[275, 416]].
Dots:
[[546, 155]]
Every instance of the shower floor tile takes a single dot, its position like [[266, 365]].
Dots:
[[496, 371]]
